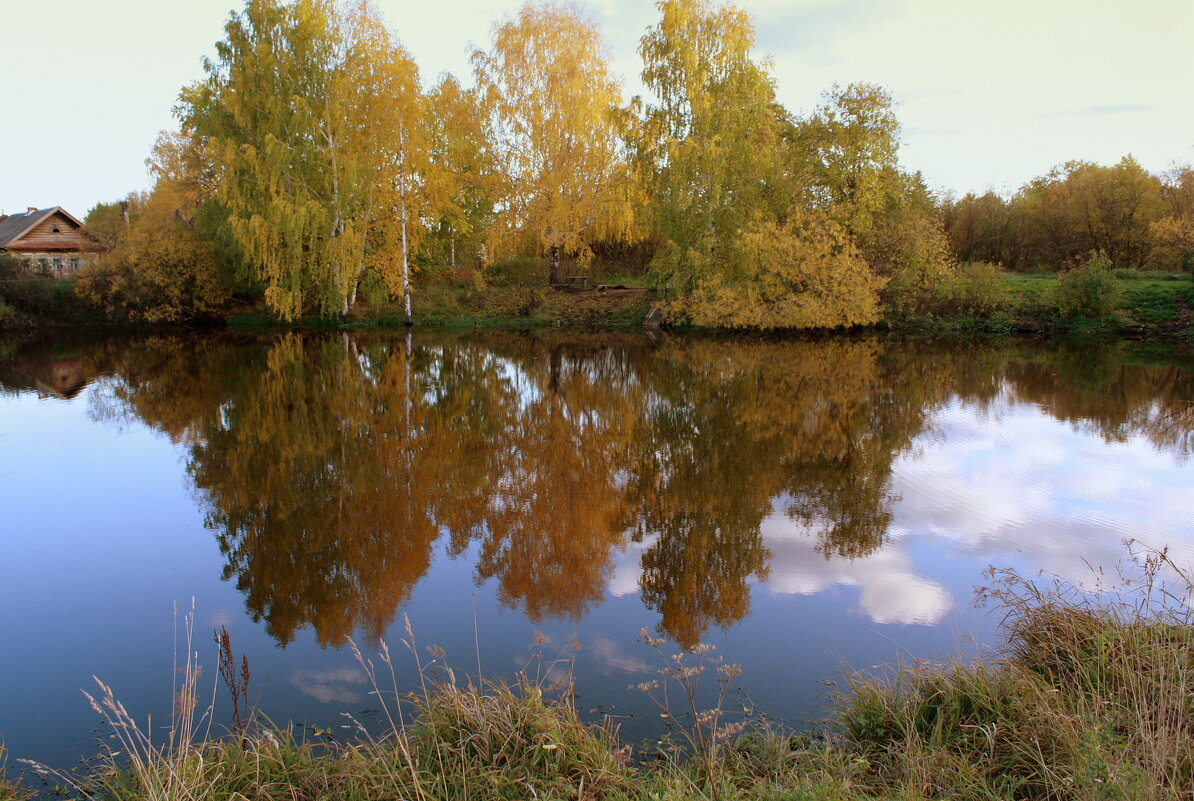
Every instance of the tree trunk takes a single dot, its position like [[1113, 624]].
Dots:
[[555, 363], [554, 276], [402, 199], [452, 240]]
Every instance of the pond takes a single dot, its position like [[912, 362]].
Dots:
[[808, 507]]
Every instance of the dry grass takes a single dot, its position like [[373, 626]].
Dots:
[[1092, 698]]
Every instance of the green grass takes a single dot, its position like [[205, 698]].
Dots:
[[1156, 306]]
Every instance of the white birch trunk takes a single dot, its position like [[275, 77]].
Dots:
[[403, 218]]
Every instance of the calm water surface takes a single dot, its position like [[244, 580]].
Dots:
[[804, 506]]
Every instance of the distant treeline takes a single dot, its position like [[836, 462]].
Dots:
[[314, 167], [1138, 220]]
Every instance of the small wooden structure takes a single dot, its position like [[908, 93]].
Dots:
[[52, 240]]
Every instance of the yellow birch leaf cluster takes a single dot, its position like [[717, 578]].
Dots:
[[551, 112]]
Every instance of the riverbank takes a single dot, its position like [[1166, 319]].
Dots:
[[1142, 306], [1091, 697]]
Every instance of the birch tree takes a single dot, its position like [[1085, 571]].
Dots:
[[550, 108], [461, 171], [392, 146], [739, 250], [709, 139], [300, 109]]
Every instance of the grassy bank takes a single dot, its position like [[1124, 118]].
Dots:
[[513, 294], [1135, 304], [1140, 306], [1092, 697]]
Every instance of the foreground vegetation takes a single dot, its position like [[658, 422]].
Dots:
[[1091, 697]]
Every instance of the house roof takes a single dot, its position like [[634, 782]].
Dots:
[[15, 226]]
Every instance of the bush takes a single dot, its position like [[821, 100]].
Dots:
[[1089, 291], [980, 289]]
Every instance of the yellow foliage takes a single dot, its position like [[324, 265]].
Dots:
[[310, 115], [804, 273], [708, 146], [162, 270], [460, 173], [912, 250], [550, 107], [1173, 241]]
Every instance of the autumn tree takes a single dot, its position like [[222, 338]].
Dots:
[[708, 140], [848, 149], [390, 144], [981, 228], [1081, 207], [740, 249], [461, 166], [111, 222], [167, 266], [1173, 235], [307, 113], [550, 108]]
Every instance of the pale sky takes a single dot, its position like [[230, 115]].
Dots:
[[990, 94]]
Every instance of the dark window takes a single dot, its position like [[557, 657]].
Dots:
[[74, 262]]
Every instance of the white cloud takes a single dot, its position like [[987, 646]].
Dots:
[[889, 589], [1006, 486], [332, 686]]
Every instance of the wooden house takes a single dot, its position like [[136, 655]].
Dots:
[[51, 239]]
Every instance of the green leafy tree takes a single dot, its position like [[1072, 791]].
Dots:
[[708, 143], [849, 151], [739, 249], [462, 168]]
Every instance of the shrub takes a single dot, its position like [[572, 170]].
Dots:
[[1089, 291], [980, 289], [803, 274]]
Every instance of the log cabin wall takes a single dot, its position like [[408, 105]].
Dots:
[[56, 232]]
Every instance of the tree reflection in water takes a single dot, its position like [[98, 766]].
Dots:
[[331, 466]]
